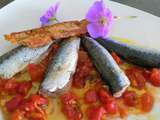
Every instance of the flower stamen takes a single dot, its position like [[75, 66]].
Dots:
[[103, 21]]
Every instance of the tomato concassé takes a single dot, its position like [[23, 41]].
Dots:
[[94, 102]]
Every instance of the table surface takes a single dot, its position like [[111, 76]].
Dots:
[[151, 6]]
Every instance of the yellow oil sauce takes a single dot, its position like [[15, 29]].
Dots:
[[125, 40]]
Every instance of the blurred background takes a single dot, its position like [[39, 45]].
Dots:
[[151, 6]]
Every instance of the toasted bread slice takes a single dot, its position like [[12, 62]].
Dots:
[[41, 36]]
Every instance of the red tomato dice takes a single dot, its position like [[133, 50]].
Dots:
[[137, 77], [70, 106], [40, 100], [27, 106], [83, 56], [78, 82], [103, 95], [95, 113], [11, 86], [155, 77], [146, 101], [2, 84], [130, 98], [111, 106], [24, 87], [83, 69], [72, 111], [90, 96], [68, 98], [36, 71], [14, 103], [50, 55], [29, 103]]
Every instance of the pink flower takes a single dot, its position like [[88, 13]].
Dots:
[[49, 15], [100, 19]]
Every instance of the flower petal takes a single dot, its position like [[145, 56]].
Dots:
[[53, 9], [44, 20], [100, 20], [105, 32], [95, 31], [93, 14], [50, 13], [109, 16]]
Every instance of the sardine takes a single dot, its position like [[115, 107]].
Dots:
[[62, 67], [17, 59], [112, 75], [135, 54]]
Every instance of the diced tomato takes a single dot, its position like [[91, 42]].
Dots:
[[99, 84], [137, 77], [95, 113], [155, 77], [24, 87], [78, 82], [83, 56], [116, 58], [36, 71], [79, 79], [17, 115], [2, 84], [146, 74], [30, 107], [14, 103], [27, 106], [36, 114], [103, 95], [90, 96], [11, 86], [40, 100], [68, 98], [130, 98], [14, 87], [72, 112], [83, 69], [108, 101], [146, 101], [51, 54], [111, 106], [86, 68], [70, 106]]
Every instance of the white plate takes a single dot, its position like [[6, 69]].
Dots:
[[24, 14]]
